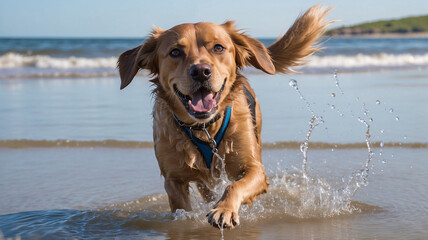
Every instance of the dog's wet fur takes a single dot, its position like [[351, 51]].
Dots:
[[196, 75]]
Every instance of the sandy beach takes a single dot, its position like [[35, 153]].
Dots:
[[77, 160], [117, 193]]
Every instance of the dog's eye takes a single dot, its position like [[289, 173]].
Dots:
[[175, 53], [219, 48]]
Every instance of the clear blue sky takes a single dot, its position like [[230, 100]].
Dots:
[[135, 18]]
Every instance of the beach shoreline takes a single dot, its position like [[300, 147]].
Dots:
[[381, 35]]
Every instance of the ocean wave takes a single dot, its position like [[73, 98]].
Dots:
[[61, 143], [368, 61], [16, 65], [16, 60]]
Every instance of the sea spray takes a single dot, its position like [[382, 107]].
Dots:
[[296, 193], [336, 78]]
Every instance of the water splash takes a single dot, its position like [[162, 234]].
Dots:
[[293, 83], [336, 78], [296, 193], [313, 195]]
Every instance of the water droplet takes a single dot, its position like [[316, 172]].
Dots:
[[383, 161], [392, 155], [405, 137], [292, 83], [397, 118], [341, 114], [382, 144], [382, 131], [333, 107], [371, 119], [377, 102], [391, 110], [332, 149], [333, 94]]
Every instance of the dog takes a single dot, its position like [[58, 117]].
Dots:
[[204, 108]]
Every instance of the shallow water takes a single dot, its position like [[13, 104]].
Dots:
[[84, 187], [94, 108], [81, 193]]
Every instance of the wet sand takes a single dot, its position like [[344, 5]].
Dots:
[[118, 193], [85, 186]]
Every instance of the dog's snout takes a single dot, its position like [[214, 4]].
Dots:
[[200, 72]]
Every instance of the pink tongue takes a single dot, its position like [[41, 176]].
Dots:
[[202, 101]]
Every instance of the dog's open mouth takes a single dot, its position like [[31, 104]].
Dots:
[[202, 103]]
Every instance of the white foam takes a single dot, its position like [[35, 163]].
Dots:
[[367, 61], [43, 65], [15, 60]]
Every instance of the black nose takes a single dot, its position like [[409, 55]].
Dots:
[[200, 72]]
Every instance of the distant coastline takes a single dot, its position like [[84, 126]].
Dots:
[[381, 35], [410, 27]]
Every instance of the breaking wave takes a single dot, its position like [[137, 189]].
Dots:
[[18, 65], [16, 60], [364, 62]]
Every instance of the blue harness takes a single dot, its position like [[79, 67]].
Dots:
[[204, 147]]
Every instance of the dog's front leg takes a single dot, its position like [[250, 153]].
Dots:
[[246, 190], [178, 194]]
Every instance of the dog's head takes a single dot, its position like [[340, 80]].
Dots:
[[195, 65]]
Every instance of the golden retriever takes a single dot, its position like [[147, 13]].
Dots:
[[199, 92]]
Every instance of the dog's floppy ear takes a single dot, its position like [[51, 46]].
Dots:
[[249, 51], [141, 57]]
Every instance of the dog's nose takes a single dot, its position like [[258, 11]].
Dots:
[[200, 72]]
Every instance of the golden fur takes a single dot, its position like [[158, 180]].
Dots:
[[168, 55]]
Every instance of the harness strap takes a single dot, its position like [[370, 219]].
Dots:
[[204, 147]]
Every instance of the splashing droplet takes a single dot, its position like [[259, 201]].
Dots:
[[333, 94], [337, 81], [397, 118], [382, 131], [391, 110], [293, 83], [383, 161], [333, 107], [382, 144], [405, 137], [377, 102], [371, 119]]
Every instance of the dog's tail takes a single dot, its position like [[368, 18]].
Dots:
[[300, 41]]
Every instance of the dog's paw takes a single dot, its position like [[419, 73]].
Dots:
[[219, 217]]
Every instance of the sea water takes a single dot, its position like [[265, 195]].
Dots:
[[298, 193], [97, 57], [77, 161]]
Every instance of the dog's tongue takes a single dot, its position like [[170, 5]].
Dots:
[[202, 101]]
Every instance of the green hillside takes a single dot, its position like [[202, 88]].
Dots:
[[403, 25]]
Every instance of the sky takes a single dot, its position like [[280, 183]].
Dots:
[[136, 18]]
